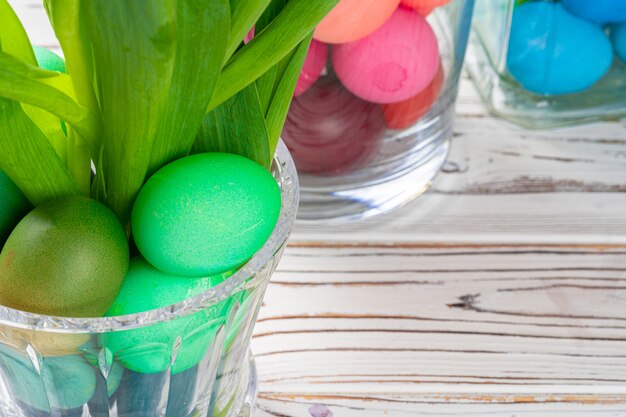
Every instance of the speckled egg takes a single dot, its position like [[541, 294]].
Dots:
[[598, 11], [618, 38], [330, 131], [47, 59], [406, 113], [205, 214], [351, 20], [424, 7], [149, 349], [313, 66], [392, 64], [554, 52], [13, 206]]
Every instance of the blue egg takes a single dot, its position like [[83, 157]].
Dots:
[[553, 52], [618, 37], [598, 11]]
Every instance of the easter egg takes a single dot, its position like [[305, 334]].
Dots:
[[553, 52], [314, 64], [61, 383], [205, 214], [598, 11], [47, 59], [392, 64], [148, 349], [67, 257], [330, 131], [424, 7], [618, 37], [13, 206], [351, 20], [405, 113]]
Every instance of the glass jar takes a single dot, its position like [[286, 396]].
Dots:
[[187, 359], [371, 120], [550, 63]]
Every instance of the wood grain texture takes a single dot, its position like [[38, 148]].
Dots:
[[501, 292]]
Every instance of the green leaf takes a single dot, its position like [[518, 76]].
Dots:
[[279, 107], [265, 84], [291, 26], [13, 38], [201, 36], [237, 126], [133, 46], [28, 159], [37, 87], [243, 15]]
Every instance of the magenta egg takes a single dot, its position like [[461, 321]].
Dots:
[[313, 66], [330, 131], [392, 64]]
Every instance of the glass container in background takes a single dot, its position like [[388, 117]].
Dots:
[[550, 63], [188, 359], [371, 120]]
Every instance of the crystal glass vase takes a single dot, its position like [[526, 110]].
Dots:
[[187, 359], [372, 119]]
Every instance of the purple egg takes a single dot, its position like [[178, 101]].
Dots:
[[330, 131]]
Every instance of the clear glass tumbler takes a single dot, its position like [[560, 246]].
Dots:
[[549, 63], [371, 122], [194, 354]]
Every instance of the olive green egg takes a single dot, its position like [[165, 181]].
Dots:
[[150, 349], [47, 59], [13, 206], [62, 382], [205, 214], [67, 257]]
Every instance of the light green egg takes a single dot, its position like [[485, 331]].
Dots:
[[205, 214], [13, 206], [65, 382], [150, 349], [47, 59]]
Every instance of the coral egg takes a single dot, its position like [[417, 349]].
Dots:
[[330, 131], [351, 20], [313, 66], [405, 113], [392, 64], [424, 7]]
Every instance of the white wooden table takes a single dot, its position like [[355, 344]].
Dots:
[[501, 292]]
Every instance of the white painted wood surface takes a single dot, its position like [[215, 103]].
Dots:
[[501, 292]]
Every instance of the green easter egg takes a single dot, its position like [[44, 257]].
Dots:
[[13, 206], [65, 382], [149, 349], [47, 59], [67, 257], [205, 214]]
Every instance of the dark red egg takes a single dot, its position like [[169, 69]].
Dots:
[[330, 131]]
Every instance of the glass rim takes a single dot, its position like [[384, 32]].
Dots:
[[285, 172]]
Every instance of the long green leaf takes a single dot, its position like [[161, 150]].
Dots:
[[13, 38], [28, 159], [279, 106], [291, 26], [237, 126], [31, 85], [133, 45], [201, 36], [265, 84], [243, 15]]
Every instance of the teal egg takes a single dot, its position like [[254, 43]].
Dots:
[[150, 349], [554, 52], [47, 59], [13, 206], [205, 214], [618, 38], [65, 382]]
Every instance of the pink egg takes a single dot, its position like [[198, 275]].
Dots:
[[329, 131], [392, 64], [313, 66], [354, 19]]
